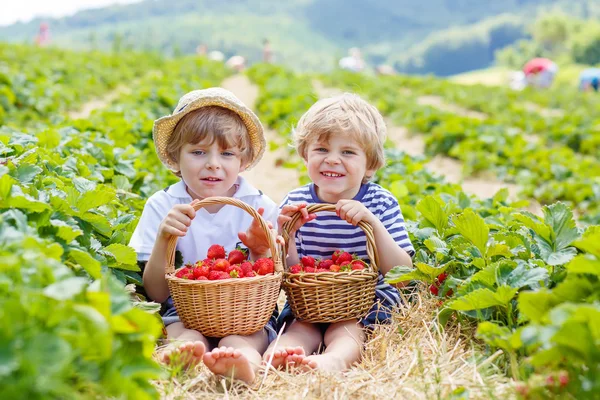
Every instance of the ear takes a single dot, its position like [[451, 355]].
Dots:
[[243, 168], [370, 173]]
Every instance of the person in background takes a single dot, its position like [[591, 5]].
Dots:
[[267, 52], [540, 72], [589, 79], [237, 63], [43, 37], [202, 50]]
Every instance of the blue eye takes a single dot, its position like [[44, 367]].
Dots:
[[349, 152], [197, 152], [228, 153]]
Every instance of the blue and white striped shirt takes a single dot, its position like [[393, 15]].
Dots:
[[321, 237]]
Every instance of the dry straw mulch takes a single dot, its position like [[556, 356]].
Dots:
[[412, 359]]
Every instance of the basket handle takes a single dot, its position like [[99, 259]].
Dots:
[[314, 208], [211, 201]]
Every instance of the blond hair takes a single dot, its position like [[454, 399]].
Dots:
[[210, 124], [346, 114]]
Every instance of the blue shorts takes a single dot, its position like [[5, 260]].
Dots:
[[170, 317], [387, 298]]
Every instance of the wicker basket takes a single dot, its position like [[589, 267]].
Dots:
[[331, 296], [226, 307]]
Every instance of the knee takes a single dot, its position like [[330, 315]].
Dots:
[[352, 329]]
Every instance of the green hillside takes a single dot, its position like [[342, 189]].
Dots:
[[305, 34]]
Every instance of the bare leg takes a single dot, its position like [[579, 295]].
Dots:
[[344, 341], [189, 347], [300, 338], [237, 356]]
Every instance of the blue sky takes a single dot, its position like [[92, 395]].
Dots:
[[25, 10]]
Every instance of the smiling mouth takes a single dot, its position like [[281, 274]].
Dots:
[[331, 175], [211, 179]]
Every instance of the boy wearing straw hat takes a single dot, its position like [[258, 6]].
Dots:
[[208, 140], [341, 141]]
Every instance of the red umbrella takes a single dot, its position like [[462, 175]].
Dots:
[[537, 65]]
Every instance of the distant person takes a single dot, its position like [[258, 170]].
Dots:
[[202, 50], [518, 81], [267, 52], [540, 72], [589, 79], [353, 62], [385, 70], [43, 37], [216, 55], [237, 63]]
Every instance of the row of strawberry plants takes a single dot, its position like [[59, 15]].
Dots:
[[530, 282], [546, 172], [70, 196], [41, 83]]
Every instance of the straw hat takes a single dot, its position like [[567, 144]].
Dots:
[[163, 127]]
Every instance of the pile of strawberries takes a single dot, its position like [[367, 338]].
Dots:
[[216, 266], [340, 261], [439, 281]]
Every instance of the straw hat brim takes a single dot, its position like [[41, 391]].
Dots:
[[163, 127]]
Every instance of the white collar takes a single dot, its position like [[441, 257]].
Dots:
[[179, 190]]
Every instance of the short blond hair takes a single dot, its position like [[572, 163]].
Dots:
[[346, 114], [210, 124]]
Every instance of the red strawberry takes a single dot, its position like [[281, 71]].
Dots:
[[215, 251], [449, 293], [563, 378], [235, 271], [442, 277], [434, 289], [202, 278], [323, 270], [335, 255], [246, 268], [208, 262], [214, 275], [335, 268], [201, 271], [326, 263], [345, 256], [265, 266], [236, 257], [221, 265], [296, 269], [250, 274], [308, 261], [310, 269], [358, 265], [183, 271], [345, 266]]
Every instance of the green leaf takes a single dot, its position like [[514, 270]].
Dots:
[[473, 228], [123, 254], [99, 222], [402, 274], [121, 182], [523, 275], [560, 218], [66, 289], [83, 185], [25, 203], [498, 249], [26, 173], [90, 264], [432, 211], [96, 198], [561, 256], [584, 264], [590, 243], [398, 189], [6, 183], [483, 298], [66, 231], [535, 305], [532, 222], [495, 335]]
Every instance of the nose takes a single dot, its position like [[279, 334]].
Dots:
[[332, 159], [212, 162]]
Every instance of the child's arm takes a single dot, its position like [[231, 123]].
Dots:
[[176, 223], [390, 253], [285, 215]]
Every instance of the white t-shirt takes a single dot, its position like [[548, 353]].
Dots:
[[206, 229]]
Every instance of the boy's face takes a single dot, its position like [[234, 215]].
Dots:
[[209, 170], [337, 166]]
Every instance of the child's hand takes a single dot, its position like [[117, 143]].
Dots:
[[354, 211], [256, 240], [178, 220], [289, 210]]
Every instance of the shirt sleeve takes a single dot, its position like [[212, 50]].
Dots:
[[143, 237], [393, 221]]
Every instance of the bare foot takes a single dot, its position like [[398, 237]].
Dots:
[[188, 354], [281, 356], [229, 362], [324, 362]]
